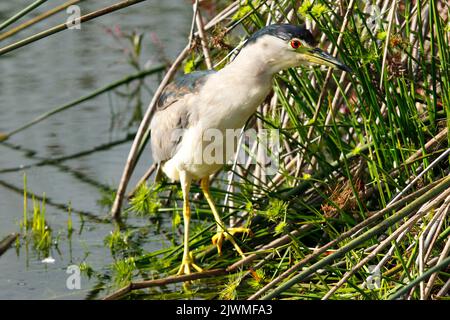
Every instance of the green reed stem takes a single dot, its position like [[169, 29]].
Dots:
[[21, 13]]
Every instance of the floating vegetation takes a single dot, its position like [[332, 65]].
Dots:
[[230, 292], [106, 198], [145, 200], [36, 229], [69, 222], [42, 234], [123, 271], [118, 241]]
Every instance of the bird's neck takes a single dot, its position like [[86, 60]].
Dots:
[[249, 76], [239, 88], [252, 63]]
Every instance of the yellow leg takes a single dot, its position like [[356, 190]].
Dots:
[[188, 259], [222, 231]]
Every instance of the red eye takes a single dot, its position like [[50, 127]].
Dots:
[[296, 44]]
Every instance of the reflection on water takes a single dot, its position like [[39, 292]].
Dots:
[[48, 74]]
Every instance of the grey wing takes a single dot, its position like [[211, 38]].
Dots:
[[174, 114]]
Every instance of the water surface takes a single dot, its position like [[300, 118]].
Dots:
[[50, 73]]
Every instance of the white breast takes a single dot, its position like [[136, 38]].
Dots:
[[226, 101]]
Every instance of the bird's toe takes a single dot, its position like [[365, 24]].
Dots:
[[228, 234], [187, 264]]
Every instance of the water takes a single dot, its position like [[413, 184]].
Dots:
[[48, 74]]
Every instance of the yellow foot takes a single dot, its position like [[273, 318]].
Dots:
[[187, 264], [228, 234]]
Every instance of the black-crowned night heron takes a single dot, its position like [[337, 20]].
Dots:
[[222, 100]]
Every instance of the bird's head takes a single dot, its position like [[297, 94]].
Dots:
[[286, 46]]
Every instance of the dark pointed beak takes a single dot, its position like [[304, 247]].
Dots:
[[321, 57]]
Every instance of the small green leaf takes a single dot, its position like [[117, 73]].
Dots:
[[381, 35], [189, 65], [318, 10], [305, 8], [281, 227], [306, 176]]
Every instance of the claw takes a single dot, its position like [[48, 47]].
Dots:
[[217, 240]]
